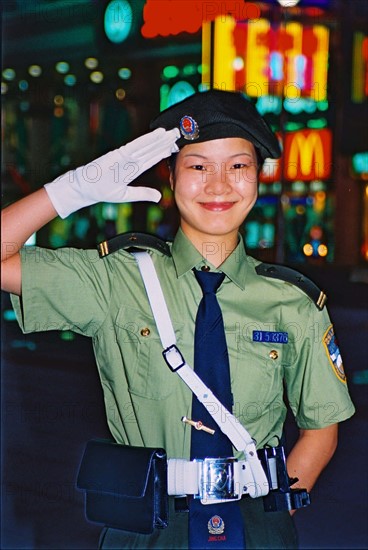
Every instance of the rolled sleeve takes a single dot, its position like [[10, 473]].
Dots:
[[64, 289], [316, 384]]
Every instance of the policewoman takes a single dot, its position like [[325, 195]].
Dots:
[[251, 331]]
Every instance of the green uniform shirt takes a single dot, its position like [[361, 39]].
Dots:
[[275, 334]]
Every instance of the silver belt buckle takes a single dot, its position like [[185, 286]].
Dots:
[[217, 483]]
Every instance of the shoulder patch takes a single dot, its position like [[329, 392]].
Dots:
[[295, 278], [132, 242], [333, 353]]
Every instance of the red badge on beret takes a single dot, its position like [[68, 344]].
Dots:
[[189, 128]]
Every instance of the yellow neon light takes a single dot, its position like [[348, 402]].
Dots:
[[257, 59], [303, 150], [206, 54], [357, 92], [322, 250], [224, 54], [320, 63]]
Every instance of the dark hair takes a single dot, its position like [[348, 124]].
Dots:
[[171, 162]]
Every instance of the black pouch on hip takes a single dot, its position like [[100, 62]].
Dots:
[[125, 487]]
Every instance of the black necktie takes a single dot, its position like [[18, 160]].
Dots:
[[212, 525]]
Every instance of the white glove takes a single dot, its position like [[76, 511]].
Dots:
[[106, 179]]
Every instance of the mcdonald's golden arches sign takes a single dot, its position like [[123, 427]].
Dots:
[[307, 156]]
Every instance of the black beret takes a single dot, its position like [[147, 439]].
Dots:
[[216, 114]]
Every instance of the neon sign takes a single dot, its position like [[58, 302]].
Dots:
[[307, 156], [359, 90], [285, 60], [118, 20], [171, 17], [360, 165]]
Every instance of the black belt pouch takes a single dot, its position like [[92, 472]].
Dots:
[[125, 487]]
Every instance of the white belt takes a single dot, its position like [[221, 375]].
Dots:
[[215, 480]]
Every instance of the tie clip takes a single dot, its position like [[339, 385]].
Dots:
[[197, 425]]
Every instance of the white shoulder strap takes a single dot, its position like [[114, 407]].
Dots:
[[229, 425], [156, 298]]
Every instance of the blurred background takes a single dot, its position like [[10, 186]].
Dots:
[[81, 77]]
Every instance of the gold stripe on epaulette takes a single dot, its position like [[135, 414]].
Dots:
[[103, 248], [321, 300]]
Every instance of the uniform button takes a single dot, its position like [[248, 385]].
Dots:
[[205, 268], [145, 331], [273, 354]]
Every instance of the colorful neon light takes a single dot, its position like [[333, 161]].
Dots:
[[171, 17], [360, 164], [359, 84], [288, 60]]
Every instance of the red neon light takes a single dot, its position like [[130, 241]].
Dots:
[[365, 58], [171, 17]]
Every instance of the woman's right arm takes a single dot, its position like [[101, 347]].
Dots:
[[105, 179], [18, 222]]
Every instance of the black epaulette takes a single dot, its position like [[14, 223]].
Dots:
[[295, 278], [133, 242]]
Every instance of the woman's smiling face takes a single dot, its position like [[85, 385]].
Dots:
[[215, 186]]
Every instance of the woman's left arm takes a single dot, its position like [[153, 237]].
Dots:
[[311, 454]]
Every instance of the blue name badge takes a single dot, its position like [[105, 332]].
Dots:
[[270, 337]]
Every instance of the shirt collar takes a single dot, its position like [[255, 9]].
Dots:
[[186, 257]]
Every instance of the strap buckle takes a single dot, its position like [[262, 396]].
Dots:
[[218, 481], [173, 357]]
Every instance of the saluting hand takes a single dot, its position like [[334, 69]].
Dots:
[[107, 178]]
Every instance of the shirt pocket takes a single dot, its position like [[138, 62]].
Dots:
[[140, 346], [258, 376]]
